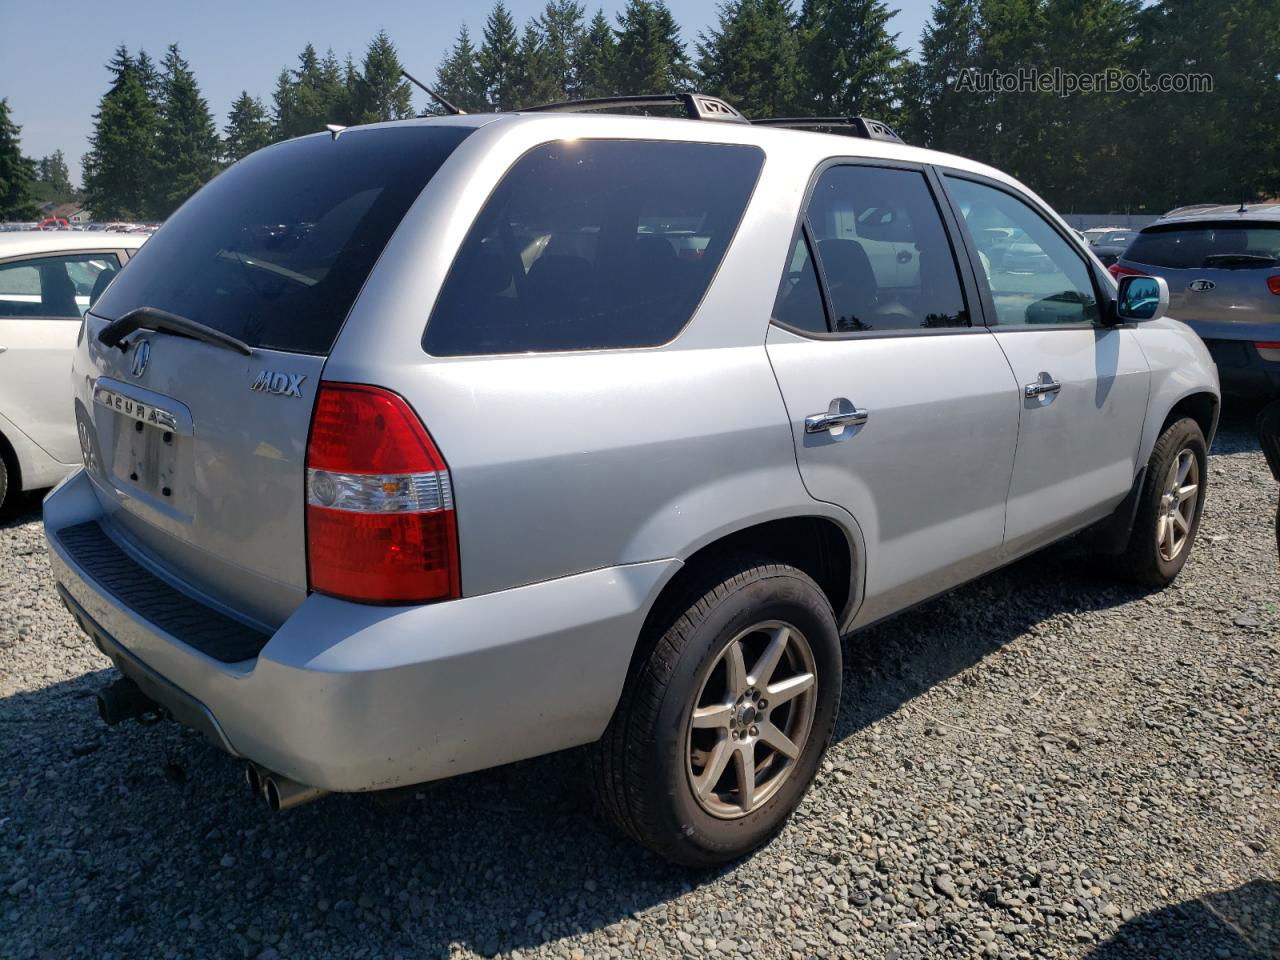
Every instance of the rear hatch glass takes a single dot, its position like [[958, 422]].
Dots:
[[275, 249], [199, 449], [1207, 246]]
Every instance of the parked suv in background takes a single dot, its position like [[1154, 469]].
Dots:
[[1223, 268], [467, 439]]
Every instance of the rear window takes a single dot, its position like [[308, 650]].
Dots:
[[275, 249], [593, 244], [1206, 245]]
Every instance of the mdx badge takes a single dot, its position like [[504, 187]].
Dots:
[[281, 384]]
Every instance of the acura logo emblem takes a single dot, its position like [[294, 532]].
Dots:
[[1201, 285], [141, 356]]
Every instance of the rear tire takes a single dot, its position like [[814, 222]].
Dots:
[[7, 496], [748, 632], [1168, 514]]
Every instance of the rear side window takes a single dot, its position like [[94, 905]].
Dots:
[[275, 249], [1207, 245], [593, 244]]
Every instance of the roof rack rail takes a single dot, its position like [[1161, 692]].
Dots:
[[696, 106], [850, 126]]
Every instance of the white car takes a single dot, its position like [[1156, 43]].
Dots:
[[47, 281]]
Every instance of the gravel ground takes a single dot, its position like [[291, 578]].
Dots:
[[1039, 765]]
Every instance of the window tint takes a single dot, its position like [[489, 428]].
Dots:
[[799, 301], [884, 251], [1206, 245], [593, 244], [1035, 276], [275, 249], [59, 286]]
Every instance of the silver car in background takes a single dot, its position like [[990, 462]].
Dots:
[[428, 446], [1222, 264]]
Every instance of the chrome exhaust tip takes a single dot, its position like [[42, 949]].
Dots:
[[253, 777], [281, 793]]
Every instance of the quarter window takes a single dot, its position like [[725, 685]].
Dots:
[[884, 251], [799, 301], [61, 287], [593, 244], [1035, 276]]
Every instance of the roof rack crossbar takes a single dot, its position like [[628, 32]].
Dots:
[[851, 126], [696, 106]]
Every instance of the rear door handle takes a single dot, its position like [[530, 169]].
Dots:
[[1042, 387], [841, 413]]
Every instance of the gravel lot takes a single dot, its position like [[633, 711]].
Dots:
[[1040, 765]]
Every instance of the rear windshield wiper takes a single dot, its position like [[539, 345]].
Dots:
[[153, 318], [1227, 259]]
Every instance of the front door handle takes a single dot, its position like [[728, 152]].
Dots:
[[840, 413], [1042, 388]]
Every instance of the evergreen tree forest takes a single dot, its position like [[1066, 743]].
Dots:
[[155, 139]]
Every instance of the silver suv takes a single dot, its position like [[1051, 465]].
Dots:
[[424, 447], [1222, 264]]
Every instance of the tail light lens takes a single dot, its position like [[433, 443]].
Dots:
[[381, 526], [1273, 284], [1118, 271]]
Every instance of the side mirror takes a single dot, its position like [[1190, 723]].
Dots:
[[1142, 298]]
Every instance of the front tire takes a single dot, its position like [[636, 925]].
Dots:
[[725, 716], [1170, 507]]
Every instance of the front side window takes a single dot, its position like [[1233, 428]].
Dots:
[[884, 252], [59, 287], [1035, 276], [593, 244]]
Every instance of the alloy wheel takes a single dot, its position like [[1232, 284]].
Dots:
[[749, 726], [1177, 507]]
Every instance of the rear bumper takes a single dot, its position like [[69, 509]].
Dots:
[[1244, 369], [350, 697]]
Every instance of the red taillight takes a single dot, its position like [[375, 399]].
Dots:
[[380, 521], [1267, 345], [1118, 271], [1273, 284]]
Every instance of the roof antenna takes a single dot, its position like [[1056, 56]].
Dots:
[[448, 107]]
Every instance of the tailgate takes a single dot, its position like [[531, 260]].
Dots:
[[195, 424], [200, 471]]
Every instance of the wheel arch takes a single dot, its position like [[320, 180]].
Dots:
[[10, 458], [826, 547], [1201, 406]]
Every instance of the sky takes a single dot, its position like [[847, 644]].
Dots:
[[53, 52]]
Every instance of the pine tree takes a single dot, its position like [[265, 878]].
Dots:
[[1222, 145], [499, 51], [851, 63], [535, 81], [187, 140], [152, 81], [247, 129], [651, 56], [1009, 125], [560, 25], [381, 93], [595, 57], [119, 169], [16, 171], [940, 116], [458, 78], [53, 171], [336, 103], [752, 57]]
